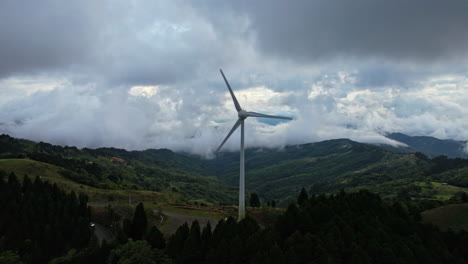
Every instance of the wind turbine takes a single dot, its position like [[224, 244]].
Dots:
[[242, 114]]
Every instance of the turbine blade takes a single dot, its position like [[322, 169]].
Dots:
[[236, 103], [236, 125], [253, 114]]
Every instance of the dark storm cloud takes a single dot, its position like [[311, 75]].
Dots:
[[37, 36], [112, 42], [416, 30]]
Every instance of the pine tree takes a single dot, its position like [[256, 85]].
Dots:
[[303, 197], [192, 252], [177, 240], [155, 238], [26, 184], [206, 233], [139, 223], [254, 200], [206, 237], [14, 183]]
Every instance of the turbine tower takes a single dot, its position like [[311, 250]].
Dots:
[[242, 114]]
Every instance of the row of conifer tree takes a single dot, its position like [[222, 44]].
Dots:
[[41, 222]]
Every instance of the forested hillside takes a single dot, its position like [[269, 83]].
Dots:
[[41, 221], [328, 166], [274, 174], [161, 170]]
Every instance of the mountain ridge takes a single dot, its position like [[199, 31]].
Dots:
[[275, 174], [431, 146]]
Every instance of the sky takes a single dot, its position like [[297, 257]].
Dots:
[[145, 74]]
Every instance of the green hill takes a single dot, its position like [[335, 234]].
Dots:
[[162, 171], [453, 216], [324, 167], [431, 146], [279, 174], [51, 173]]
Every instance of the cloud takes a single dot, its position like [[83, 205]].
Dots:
[[145, 74], [400, 30], [40, 36], [184, 120]]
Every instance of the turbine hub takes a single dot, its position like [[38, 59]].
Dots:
[[242, 114]]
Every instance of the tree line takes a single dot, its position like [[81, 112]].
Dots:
[[341, 228], [39, 221]]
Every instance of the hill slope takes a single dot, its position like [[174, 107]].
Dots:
[[431, 146], [51, 173], [322, 167], [162, 171], [453, 216]]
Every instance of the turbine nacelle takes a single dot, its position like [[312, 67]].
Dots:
[[242, 114]]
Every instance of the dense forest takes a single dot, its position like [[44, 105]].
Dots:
[[343, 228], [39, 221]]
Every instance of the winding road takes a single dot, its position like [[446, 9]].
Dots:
[[102, 233]]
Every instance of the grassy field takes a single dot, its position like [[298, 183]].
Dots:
[[50, 173], [454, 216], [155, 203], [439, 190]]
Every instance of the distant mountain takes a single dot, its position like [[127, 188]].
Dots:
[[430, 146]]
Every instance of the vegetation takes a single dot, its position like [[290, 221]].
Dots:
[[451, 216], [139, 223], [39, 221], [175, 176], [328, 166], [432, 147], [50, 173], [342, 228], [109, 174], [254, 200], [302, 198]]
